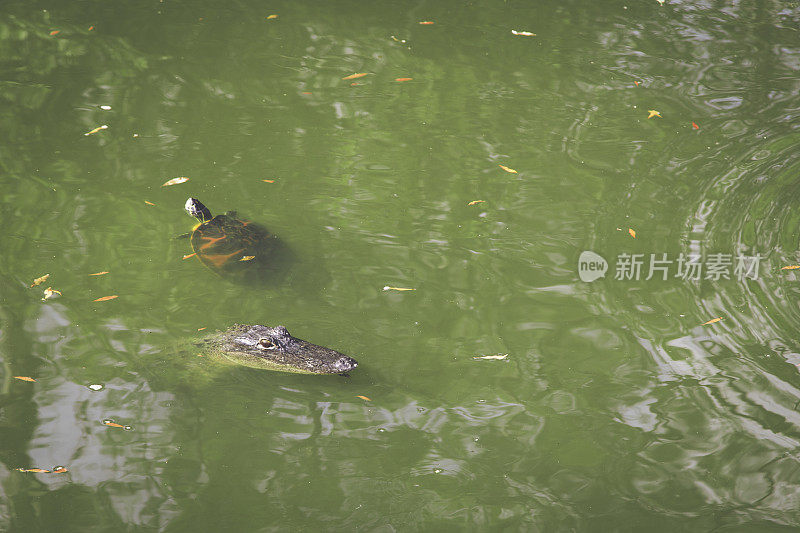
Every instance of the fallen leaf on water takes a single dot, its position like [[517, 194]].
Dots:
[[268, 181], [112, 424], [272, 17], [103, 273], [426, 22], [498, 356], [356, 75], [507, 169], [104, 298], [711, 321], [37, 281], [354, 84], [91, 28], [24, 378], [473, 202], [636, 82], [695, 126], [633, 233], [175, 181], [98, 128], [363, 398], [149, 203], [790, 267], [247, 258], [189, 255], [653, 113], [49, 292], [36, 470], [201, 329], [403, 79], [523, 33], [59, 470], [54, 32], [388, 288]]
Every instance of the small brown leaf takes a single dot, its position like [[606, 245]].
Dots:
[[268, 181], [112, 424], [91, 28], [711, 321], [633, 233], [247, 258], [507, 169], [100, 273], [24, 378], [49, 292], [790, 267], [201, 329], [356, 75], [38, 281], [59, 470], [189, 255], [473, 202], [695, 126], [105, 298], [175, 181], [363, 398], [55, 32], [149, 203], [403, 79]]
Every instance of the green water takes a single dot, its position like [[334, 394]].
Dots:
[[615, 408]]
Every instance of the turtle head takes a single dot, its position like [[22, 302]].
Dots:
[[195, 208]]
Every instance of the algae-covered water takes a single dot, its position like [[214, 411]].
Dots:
[[602, 197]]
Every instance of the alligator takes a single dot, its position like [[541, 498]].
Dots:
[[269, 348]]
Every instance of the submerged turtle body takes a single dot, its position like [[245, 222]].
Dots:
[[225, 243]]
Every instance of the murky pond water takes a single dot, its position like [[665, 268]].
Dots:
[[474, 164]]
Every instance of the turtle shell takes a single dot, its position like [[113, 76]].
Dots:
[[227, 244]]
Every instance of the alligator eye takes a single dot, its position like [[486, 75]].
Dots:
[[266, 344]]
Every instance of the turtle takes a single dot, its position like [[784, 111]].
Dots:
[[225, 243]]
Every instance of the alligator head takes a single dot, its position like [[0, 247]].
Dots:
[[275, 349]]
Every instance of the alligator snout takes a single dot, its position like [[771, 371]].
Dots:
[[345, 364]]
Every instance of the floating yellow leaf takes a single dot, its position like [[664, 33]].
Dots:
[[363, 398], [24, 378], [507, 169], [498, 356], [791, 267], [36, 470], [105, 298], [523, 33], [403, 79], [201, 329], [175, 181], [388, 288], [356, 75], [55, 32], [59, 470], [653, 113], [272, 17], [268, 181], [98, 128], [189, 255], [247, 258], [473, 202], [149, 203], [711, 321], [37, 281], [426, 22], [49, 292], [633, 233], [113, 424], [103, 273]]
